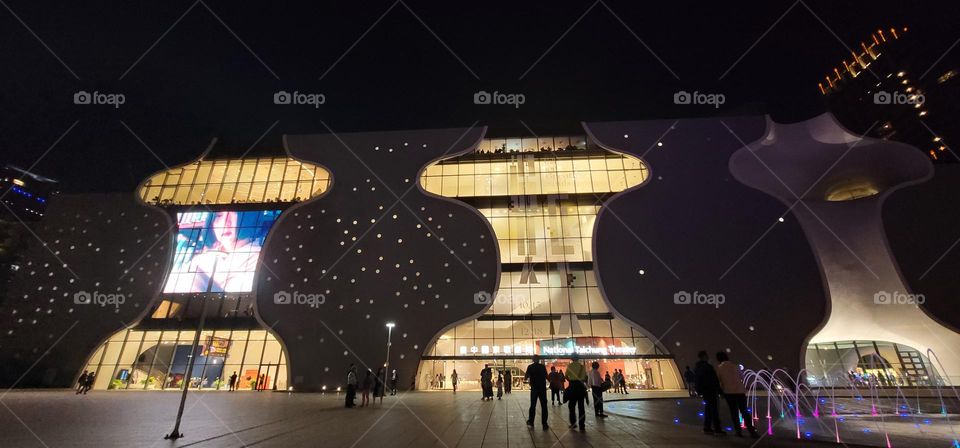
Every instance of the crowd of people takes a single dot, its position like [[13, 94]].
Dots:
[[577, 386], [371, 386]]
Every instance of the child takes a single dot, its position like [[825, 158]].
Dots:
[[365, 388], [499, 386]]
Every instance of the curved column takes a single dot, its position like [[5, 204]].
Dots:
[[808, 165]]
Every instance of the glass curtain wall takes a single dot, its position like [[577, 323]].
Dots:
[[541, 197], [158, 360], [866, 363], [236, 181]]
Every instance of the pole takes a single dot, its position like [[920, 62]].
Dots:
[[386, 368], [176, 434]]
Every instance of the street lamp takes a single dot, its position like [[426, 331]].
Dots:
[[386, 368]]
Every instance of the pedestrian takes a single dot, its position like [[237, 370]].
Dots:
[[691, 380], [262, 382], [88, 384], [576, 392], [393, 382], [597, 385], [454, 380], [351, 386], [486, 380], [708, 387], [499, 385], [556, 385], [378, 385], [82, 381], [233, 381], [365, 386], [616, 381], [536, 377], [623, 382], [731, 383], [507, 381]]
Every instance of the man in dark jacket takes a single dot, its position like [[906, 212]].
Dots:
[[536, 376], [708, 387]]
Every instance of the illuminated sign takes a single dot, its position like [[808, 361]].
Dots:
[[216, 347], [588, 346]]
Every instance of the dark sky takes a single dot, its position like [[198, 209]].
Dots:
[[199, 80]]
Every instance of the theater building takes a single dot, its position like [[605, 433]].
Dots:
[[635, 244]]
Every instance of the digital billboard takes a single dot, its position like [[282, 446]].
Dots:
[[218, 251]]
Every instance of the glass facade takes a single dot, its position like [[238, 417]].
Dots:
[[862, 363], [158, 360], [542, 205], [564, 172], [236, 181]]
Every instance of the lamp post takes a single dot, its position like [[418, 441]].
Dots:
[[176, 434], [386, 365]]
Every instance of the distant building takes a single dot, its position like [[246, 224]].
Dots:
[[24, 194], [888, 88]]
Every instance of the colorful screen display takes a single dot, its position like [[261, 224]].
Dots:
[[218, 251]]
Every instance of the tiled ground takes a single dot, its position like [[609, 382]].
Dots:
[[267, 419]]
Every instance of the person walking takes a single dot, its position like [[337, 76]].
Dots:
[[262, 382], [616, 381], [82, 382], [596, 383], [378, 385], [691, 380], [507, 382], [233, 381], [351, 386], [731, 383], [576, 392], [365, 386], [393, 382], [623, 383], [556, 385], [708, 387], [88, 384], [536, 377], [499, 386], [454, 380]]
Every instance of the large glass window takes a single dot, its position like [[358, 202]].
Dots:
[[158, 359], [236, 181]]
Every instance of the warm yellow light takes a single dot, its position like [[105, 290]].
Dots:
[[18, 182]]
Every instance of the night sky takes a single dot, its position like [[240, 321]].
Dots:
[[573, 61]]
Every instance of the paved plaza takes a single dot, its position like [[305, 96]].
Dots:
[[417, 419]]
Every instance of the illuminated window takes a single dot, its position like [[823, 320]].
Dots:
[[156, 360], [236, 181], [852, 190]]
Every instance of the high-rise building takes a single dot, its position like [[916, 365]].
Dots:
[[24, 194], [893, 87]]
